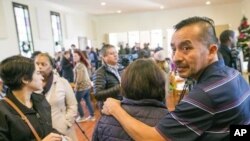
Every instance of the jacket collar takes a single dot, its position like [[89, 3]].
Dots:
[[108, 69], [225, 48], [22, 107], [211, 69], [143, 102]]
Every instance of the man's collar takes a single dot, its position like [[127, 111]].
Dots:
[[112, 66]]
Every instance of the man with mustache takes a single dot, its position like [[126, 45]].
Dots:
[[219, 98]]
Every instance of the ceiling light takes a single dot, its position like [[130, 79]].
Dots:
[[208, 2], [103, 3], [118, 11], [162, 7]]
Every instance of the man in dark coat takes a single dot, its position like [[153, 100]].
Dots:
[[228, 41], [107, 78], [67, 67]]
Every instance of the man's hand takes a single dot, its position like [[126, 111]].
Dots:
[[110, 105]]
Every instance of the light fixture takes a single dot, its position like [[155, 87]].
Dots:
[[103, 3], [119, 11], [162, 7], [208, 2]]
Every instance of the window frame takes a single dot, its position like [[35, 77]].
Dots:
[[57, 14], [24, 7]]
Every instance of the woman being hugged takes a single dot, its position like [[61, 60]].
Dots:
[[142, 85], [22, 79]]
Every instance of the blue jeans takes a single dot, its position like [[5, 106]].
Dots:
[[86, 96]]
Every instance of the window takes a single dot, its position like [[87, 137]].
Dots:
[[113, 39], [145, 37], [24, 34], [122, 38], [156, 38], [133, 37], [56, 31], [170, 33]]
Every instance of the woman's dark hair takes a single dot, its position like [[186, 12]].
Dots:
[[15, 69], [143, 79], [66, 52], [82, 58], [51, 60], [34, 54]]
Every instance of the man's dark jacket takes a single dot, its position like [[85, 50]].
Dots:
[[106, 84]]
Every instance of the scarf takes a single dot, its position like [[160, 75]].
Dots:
[[48, 85]]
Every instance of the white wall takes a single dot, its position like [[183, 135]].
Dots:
[[221, 14], [74, 24], [224, 14], [246, 9], [8, 42]]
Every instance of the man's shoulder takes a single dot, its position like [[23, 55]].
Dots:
[[220, 79], [101, 69]]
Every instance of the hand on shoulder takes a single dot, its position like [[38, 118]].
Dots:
[[110, 106]]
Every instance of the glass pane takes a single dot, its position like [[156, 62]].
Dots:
[[113, 39], [156, 38], [145, 37], [170, 33], [122, 38], [23, 27], [56, 31], [133, 37]]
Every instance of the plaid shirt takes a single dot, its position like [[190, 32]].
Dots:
[[114, 70]]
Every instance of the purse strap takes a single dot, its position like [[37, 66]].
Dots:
[[23, 117]]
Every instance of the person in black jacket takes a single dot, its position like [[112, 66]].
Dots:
[[143, 89], [107, 78], [22, 79], [228, 41], [67, 67]]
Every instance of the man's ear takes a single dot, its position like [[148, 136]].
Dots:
[[231, 39], [213, 49], [103, 58]]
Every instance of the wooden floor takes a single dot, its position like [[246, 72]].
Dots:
[[88, 126]]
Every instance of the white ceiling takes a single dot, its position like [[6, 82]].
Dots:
[[131, 6]]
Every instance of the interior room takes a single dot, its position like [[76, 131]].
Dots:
[[54, 25]]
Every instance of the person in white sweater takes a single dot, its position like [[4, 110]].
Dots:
[[60, 96]]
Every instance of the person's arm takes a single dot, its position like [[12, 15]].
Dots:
[[135, 128]]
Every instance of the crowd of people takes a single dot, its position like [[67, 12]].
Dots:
[[132, 99]]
